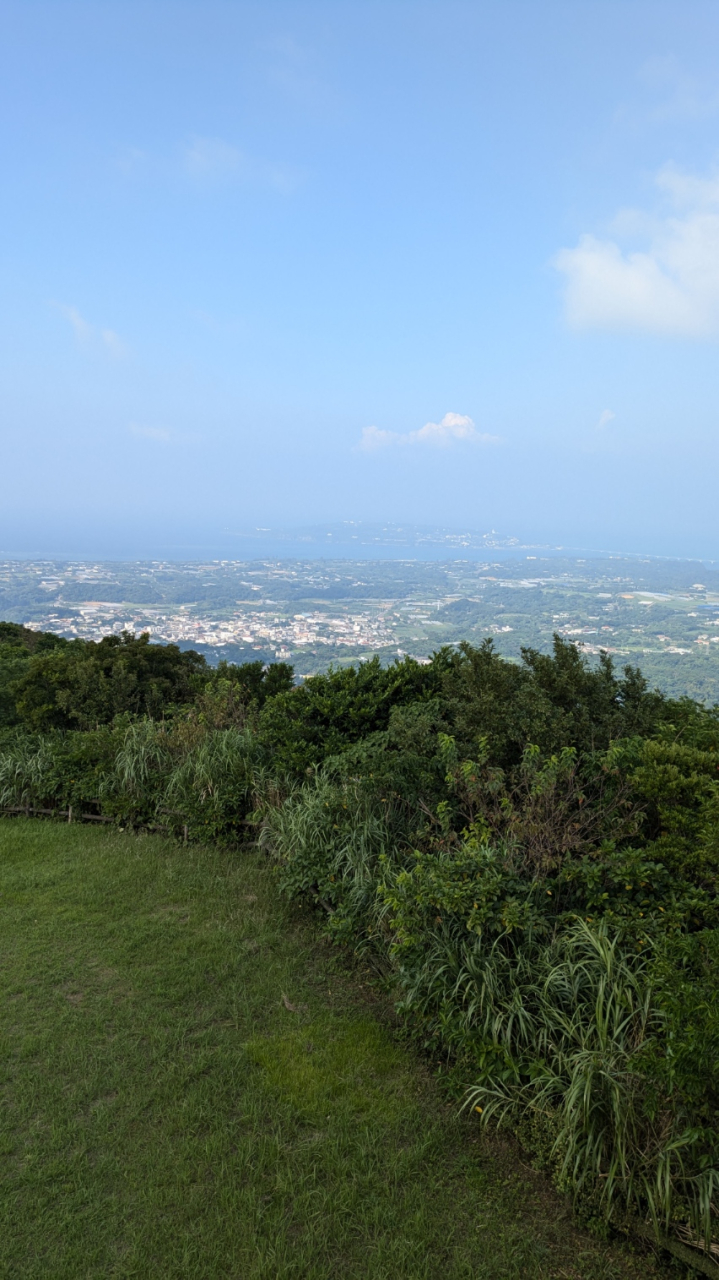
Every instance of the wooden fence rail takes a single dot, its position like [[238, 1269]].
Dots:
[[29, 811], [68, 815]]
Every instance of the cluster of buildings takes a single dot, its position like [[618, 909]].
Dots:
[[259, 629]]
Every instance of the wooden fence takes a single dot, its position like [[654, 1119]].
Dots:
[[74, 815]]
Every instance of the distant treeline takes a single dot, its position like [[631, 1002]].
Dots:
[[528, 852]]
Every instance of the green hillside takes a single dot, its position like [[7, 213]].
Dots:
[[525, 853]]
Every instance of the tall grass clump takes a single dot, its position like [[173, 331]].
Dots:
[[28, 769], [196, 780], [329, 838], [134, 787], [592, 1030], [211, 788], [578, 1034]]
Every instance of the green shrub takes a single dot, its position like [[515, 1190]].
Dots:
[[83, 684], [210, 789], [329, 713], [329, 838], [581, 1038]]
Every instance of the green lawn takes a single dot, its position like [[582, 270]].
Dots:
[[192, 1086]]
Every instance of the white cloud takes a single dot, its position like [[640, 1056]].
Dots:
[[374, 438], [150, 433], [87, 334], [605, 417], [670, 285], [453, 427]]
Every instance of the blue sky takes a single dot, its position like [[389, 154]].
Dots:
[[280, 263]]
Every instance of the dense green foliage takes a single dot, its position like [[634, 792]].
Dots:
[[529, 852], [17, 646], [50, 683]]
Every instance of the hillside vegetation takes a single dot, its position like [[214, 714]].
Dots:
[[528, 853]]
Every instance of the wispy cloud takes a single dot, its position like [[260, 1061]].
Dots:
[[79, 324], [668, 286], [87, 334], [375, 438], [207, 164], [133, 162], [669, 93], [294, 73], [112, 342], [212, 160], [160, 434], [454, 427], [205, 157], [605, 417]]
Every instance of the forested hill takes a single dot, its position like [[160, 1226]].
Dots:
[[528, 851]]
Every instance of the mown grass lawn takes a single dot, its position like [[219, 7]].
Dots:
[[192, 1086]]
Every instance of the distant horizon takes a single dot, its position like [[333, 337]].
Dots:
[[334, 541]]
